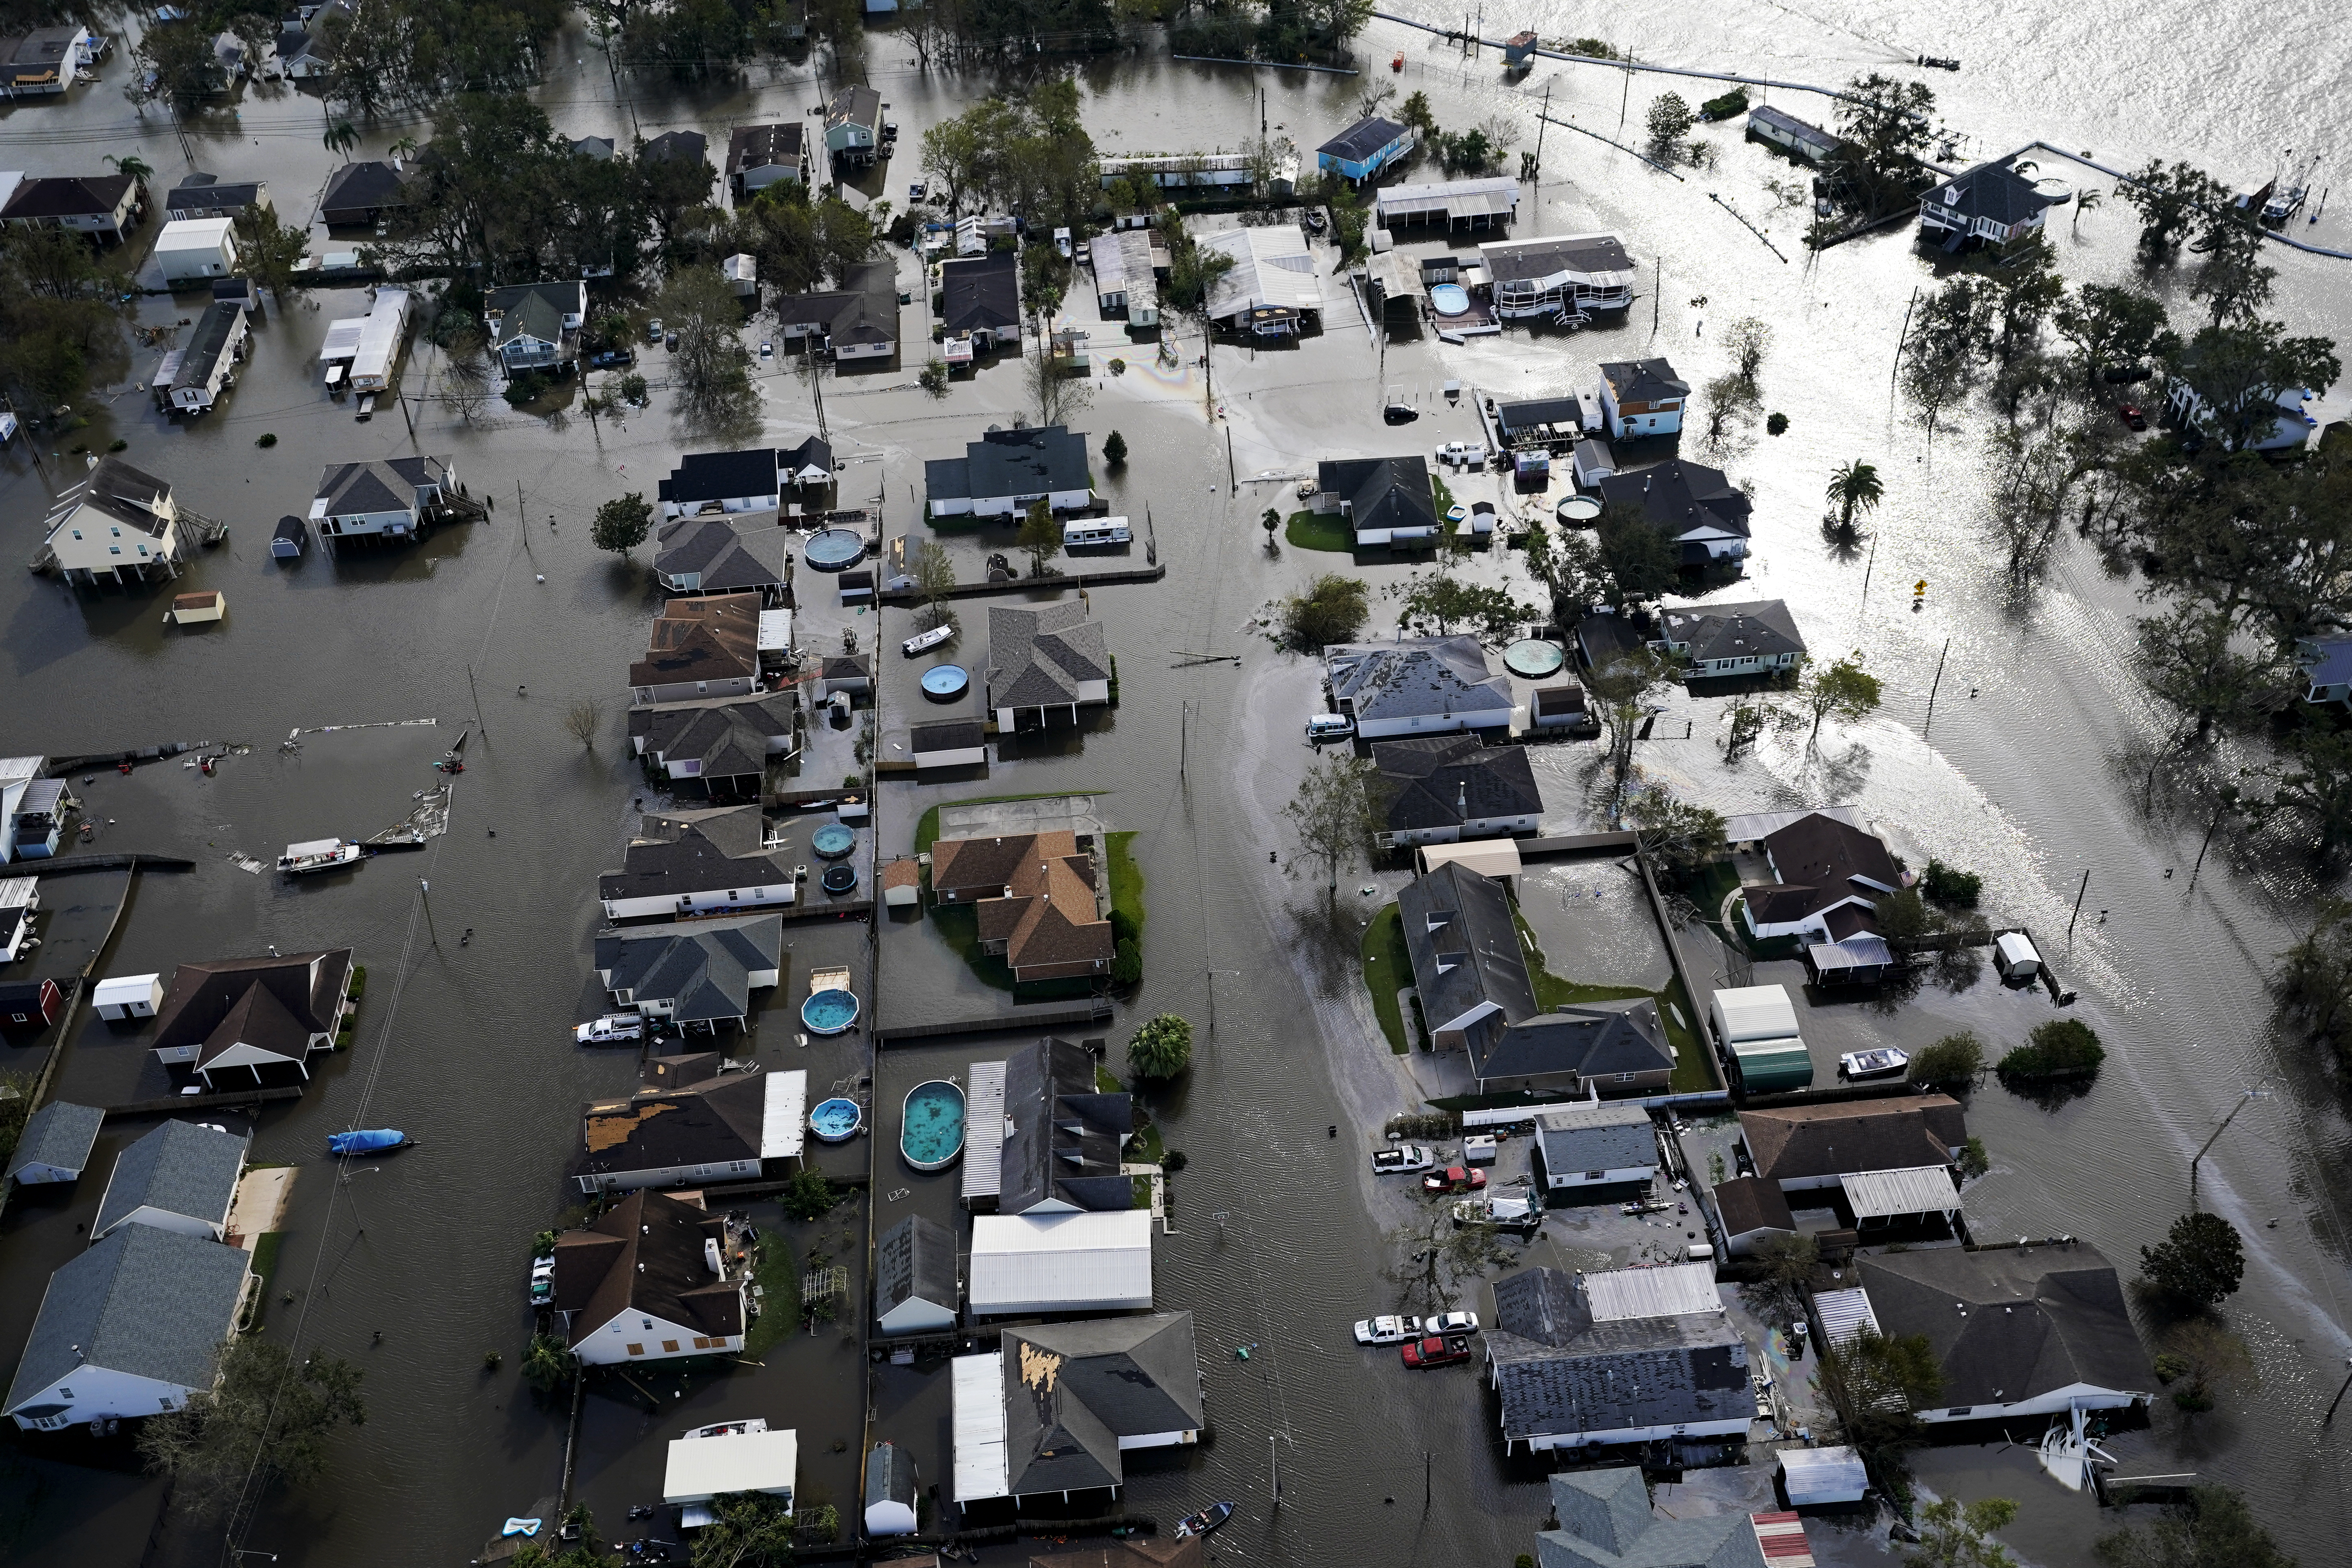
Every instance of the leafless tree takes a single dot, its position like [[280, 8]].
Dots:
[[583, 720], [466, 374]]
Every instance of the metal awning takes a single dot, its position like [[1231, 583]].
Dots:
[[783, 1115], [1843, 1313], [1488, 857], [700, 1469], [1917, 1189], [1673, 1291], [983, 1131], [978, 1389]]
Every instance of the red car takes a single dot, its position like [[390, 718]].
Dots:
[[1437, 1350], [2131, 415], [1454, 1179]]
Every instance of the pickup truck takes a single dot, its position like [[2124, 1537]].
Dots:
[[1454, 1179], [612, 1029], [1387, 1331], [1437, 1350], [1403, 1160], [1462, 453]]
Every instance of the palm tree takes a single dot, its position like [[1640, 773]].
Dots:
[[2085, 201], [138, 168], [1854, 486], [342, 137], [403, 148]]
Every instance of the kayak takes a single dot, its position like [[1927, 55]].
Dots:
[[376, 1141], [1207, 1519]]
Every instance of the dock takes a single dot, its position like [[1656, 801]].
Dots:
[[1030, 584], [1094, 1012]]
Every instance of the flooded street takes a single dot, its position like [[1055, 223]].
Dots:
[[1277, 1236]]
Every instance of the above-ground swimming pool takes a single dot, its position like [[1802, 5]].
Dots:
[[837, 1121], [1449, 300], [1579, 509], [931, 1136], [1533, 659], [829, 1011], [832, 841], [945, 682], [834, 550]]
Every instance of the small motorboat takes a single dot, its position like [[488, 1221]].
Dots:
[[320, 854], [1885, 1062], [374, 1140], [1207, 1519], [929, 639]]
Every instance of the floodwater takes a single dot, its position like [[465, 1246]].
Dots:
[[1276, 1244]]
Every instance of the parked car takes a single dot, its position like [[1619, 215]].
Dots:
[[1435, 1350], [2127, 375], [767, 351], [612, 359], [1387, 1331], [1404, 1159], [1464, 454], [2131, 415], [611, 1029], [1329, 727], [654, 330], [542, 1281], [1521, 1217], [1451, 1323], [1454, 1179]]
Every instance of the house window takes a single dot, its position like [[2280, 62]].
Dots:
[[65, 1394], [669, 1347], [1626, 1076], [637, 1349], [1960, 1410], [117, 532], [1595, 1176], [114, 549], [76, 533]]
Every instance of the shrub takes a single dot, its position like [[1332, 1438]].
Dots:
[[1954, 1059], [2170, 1368], [117, 445], [1776, 425], [1950, 886], [633, 388], [2199, 1262], [1123, 927], [1115, 444], [266, 438], [1161, 1049], [524, 386], [1125, 963], [1974, 1160], [1176, 1160], [1333, 609], [2062, 1048], [809, 1197], [934, 377]]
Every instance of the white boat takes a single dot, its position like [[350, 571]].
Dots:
[[319, 855], [929, 639], [1885, 1062]]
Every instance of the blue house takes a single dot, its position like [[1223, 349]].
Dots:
[[31, 810], [1365, 148]]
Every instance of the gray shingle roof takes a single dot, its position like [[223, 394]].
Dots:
[[179, 1168], [534, 310], [1606, 1521], [2035, 1320], [1762, 628], [1591, 1039], [1073, 1390], [1681, 498], [710, 548], [1064, 1136], [60, 1133], [1041, 460], [1558, 1371], [915, 1260], [704, 967], [1596, 1137], [379, 484], [1418, 676], [1464, 949], [707, 1121], [1643, 381], [215, 331], [1994, 192], [690, 863], [1443, 781], [1361, 140], [1038, 656], [1382, 492], [364, 186], [980, 291], [152, 1303], [855, 105], [721, 476]]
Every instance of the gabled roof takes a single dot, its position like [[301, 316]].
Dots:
[[1063, 1135], [1040, 460], [147, 1302], [179, 1168], [1443, 781], [59, 1135], [534, 310], [128, 495], [1642, 381], [1791, 1143], [208, 190], [915, 1260], [1821, 860], [862, 311], [1609, 1137], [1762, 628], [704, 967], [1464, 948], [1789, 125], [855, 105], [1039, 657], [721, 476], [1382, 492], [946, 735], [644, 1254], [1073, 1390], [1591, 1040], [750, 147], [1415, 676], [704, 729], [369, 183], [691, 145], [1361, 140], [215, 332], [2010, 1323], [379, 484], [68, 196], [1995, 193], [1747, 1203], [712, 637], [1684, 499], [1606, 1521], [705, 1123], [597, 147], [1272, 269], [709, 546], [1558, 1371], [306, 987], [980, 291], [689, 863], [1596, 261]]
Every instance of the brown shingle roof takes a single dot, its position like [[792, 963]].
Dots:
[[1891, 1134], [962, 868], [1050, 915], [1747, 1203], [644, 1254], [712, 638]]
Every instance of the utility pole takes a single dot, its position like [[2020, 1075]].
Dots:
[[424, 896], [2078, 904], [477, 701], [1624, 98], [2245, 1100], [2330, 1416], [1657, 292], [2229, 799], [1274, 1474], [1425, 1489], [1904, 339], [1932, 689], [1233, 476], [1543, 118]]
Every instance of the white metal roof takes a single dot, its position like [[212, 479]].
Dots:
[[1672, 1291], [1823, 1475], [1916, 1189], [775, 630], [124, 988], [783, 1114], [978, 1388], [1844, 1313], [2016, 947], [194, 233], [1755, 824], [1755, 1013], [1488, 857], [1272, 267], [1081, 1259], [1455, 200], [19, 892], [701, 1468], [983, 1130]]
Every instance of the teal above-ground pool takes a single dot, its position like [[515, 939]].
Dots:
[[832, 841], [932, 1133], [829, 1011], [837, 1121]]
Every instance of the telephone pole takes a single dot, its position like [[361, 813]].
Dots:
[[424, 896]]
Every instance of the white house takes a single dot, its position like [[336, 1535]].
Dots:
[[725, 1458], [120, 525], [1083, 1262], [1642, 397], [128, 1329], [1416, 686], [181, 1176], [1991, 202], [720, 1128], [1828, 876], [1594, 1145], [1725, 640], [369, 344], [193, 250], [1052, 1408], [208, 364], [915, 1285], [42, 63], [121, 996], [1273, 288], [2291, 426], [1004, 472], [381, 496], [1558, 274], [1046, 660], [652, 1279], [537, 326], [699, 869], [1632, 1356]]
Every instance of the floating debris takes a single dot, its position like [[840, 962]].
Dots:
[[247, 863]]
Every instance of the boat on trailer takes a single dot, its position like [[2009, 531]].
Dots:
[[1207, 1519], [1883, 1062], [320, 854]]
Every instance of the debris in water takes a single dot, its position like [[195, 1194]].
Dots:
[[245, 862]]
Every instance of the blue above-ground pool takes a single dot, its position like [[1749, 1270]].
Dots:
[[837, 1121], [829, 1011], [945, 682], [834, 550], [1450, 299], [832, 841], [931, 1135]]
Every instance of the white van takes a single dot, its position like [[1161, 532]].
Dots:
[[1329, 727], [1085, 530]]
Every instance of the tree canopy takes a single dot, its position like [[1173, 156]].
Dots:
[[2199, 1262], [1161, 1049]]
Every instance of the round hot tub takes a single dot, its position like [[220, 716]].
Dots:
[[1533, 659], [837, 1121], [1449, 300], [829, 1011], [839, 878], [834, 550], [945, 682], [832, 841]]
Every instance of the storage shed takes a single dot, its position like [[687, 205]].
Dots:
[[55, 1145], [1753, 1013], [1083, 1262], [890, 1485], [2015, 957], [124, 996], [729, 1457], [915, 1277], [1767, 1066], [1816, 1476], [293, 536], [190, 250]]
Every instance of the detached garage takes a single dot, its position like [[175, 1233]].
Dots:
[[1098, 1262], [197, 249]]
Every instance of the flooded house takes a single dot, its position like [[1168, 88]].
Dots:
[[916, 1289], [1043, 1137], [856, 322], [120, 526], [1561, 276], [55, 1145], [253, 1015], [692, 976], [650, 1280], [700, 647], [1444, 789], [1642, 397], [537, 326], [1386, 500], [191, 379], [698, 863], [980, 305], [1416, 685], [32, 813], [1054, 1407], [1702, 513], [181, 1176], [758, 156], [386, 498], [691, 1122], [1274, 288], [1760, 637], [1046, 662], [726, 743]]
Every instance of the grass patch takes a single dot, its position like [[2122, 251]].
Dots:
[[1126, 881], [1444, 496], [1149, 1148], [1693, 1071], [1142, 1192], [779, 1279], [1694, 1067], [926, 827], [1321, 531], [1388, 969]]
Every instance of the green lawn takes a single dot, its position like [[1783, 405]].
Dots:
[[1693, 1071], [1388, 969], [1126, 881], [779, 1279], [1717, 883], [265, 1267], [1321, 531], [958, 924]]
